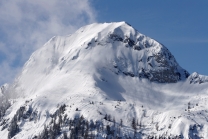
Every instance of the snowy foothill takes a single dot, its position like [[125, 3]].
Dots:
[[106, 69]]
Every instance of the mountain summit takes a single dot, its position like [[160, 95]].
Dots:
[[96, 50], [104, 73], [115, 46]]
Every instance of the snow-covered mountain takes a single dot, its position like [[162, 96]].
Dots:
[[197, 78], [105, 73]]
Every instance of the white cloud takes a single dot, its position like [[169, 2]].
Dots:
[[27, 25]]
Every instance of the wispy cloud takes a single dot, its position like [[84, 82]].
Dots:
[[27, 25]]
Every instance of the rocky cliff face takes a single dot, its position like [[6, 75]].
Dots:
[[156, 62]]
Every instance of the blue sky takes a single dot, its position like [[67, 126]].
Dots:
[[182, 26]]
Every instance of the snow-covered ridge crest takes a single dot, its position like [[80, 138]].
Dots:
[[197, 78]]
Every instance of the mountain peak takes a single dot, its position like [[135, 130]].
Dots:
[[116, 46], [99, 70]]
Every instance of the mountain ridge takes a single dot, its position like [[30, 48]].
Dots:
[[105, 69]]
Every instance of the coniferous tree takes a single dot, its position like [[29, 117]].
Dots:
[[14, 127], [98, 126], [82, 130], [44, 134], [76, 132], [65, 119], [121, 122], [56, 128], [92, 125], [70, 124], [114, 122], [102, 127], [134, 126], [86, 134], [60, 120], [4, 105], [65, 135], [108, 130], [109, 117], [51, 133], [157, 126], [106, 117]]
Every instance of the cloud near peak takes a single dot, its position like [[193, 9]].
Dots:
[[27, 25]]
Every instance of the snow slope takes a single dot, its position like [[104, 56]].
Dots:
[[197, 78], [123, 72]]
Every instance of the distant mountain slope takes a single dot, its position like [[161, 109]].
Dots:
[[197, 78], [107, 75], [3, 89]]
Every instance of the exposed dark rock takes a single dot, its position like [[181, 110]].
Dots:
[[130, 42]]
